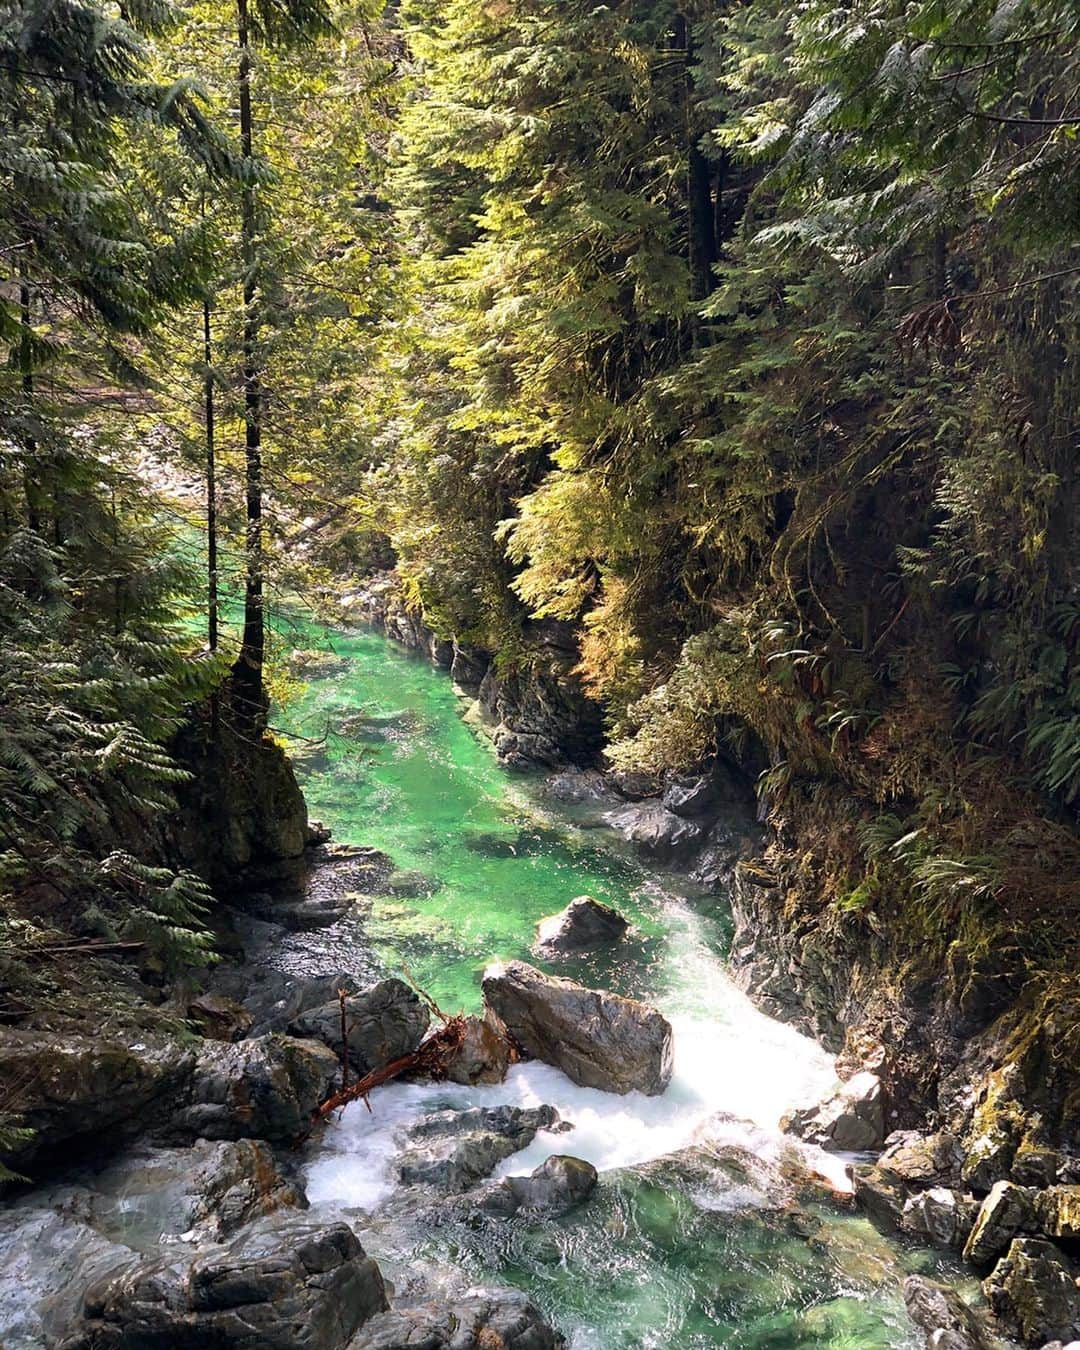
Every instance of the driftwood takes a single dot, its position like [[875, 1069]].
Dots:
[[431, 1060]]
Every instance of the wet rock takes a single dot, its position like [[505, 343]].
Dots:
[[851, 1120], [284, 1283], [655, 831], [79, 1092], [1005, 1211], [48, 1258], [265, 1088], [578, 785], [584, 923], [483, 1056], [220, 1018], [557, 1185], [946, 1320], [153, 1195], [940, 1216], [597, 1039], [632, 785], [452, 1150], [690, 796], [910, 1163], [385, 1022], [478, 1319], [275, 999], [1033, 1292]]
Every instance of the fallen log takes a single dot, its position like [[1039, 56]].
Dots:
[[431, 1060]]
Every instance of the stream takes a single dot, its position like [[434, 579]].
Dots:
[[650, 1260]]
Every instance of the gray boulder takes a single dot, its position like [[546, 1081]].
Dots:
[[1006, 1211], [557, 1185], [1033, 1292], [851, 1120], [48, 1258], [453, 1150], [689, 796], [946, 1320], [940, 1216], [655, 831], [478, 1319], [285, 1283], [264, 1088], [219, 1017], [384, 1022], [597, 1039], [85, 1091], [584, 923], [910, 1163]]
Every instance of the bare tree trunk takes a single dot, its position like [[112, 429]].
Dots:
[[211, 486], [249, 666]]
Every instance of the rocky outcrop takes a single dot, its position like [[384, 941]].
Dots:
[[285, 1283], [1033, 1292], [264, 1088], [597, 1039], [383, 1023], [478, 1319], [450, 1151], [851, 1120], [946, 1320], [584, 923], [85, 1092]]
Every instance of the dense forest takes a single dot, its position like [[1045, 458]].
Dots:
[[742, 341], [730, 349]]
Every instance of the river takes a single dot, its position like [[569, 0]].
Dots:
[[648, 1261]]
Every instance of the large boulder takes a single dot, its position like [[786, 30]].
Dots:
[[940, 1216], [264, 1088], [557, 1185], [384, 1022], [284, 1283], [850, 1120], [946, 1320], [597, 1039], [584, 923], [910, 1164], [1033, 1292], [1006, 1211], [655, 831], [453, 1150], [85, 1092], [478, 1319]]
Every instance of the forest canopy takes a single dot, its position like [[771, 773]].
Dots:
[[739, 341]]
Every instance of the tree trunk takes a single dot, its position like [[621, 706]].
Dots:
[[33, 486], [211, 487], [248, 670]]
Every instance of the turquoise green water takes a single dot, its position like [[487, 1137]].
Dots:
[[651, 1261]]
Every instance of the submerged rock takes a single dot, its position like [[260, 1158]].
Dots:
[[384, 1022], [851, 1120], [584, 923], [409, 884], [478, 1319], [452, 1150], [1033, 1292], [264, 1088], [285, 1283], [597, 1039], [578, 785], [940, 1312], [557, 1185]]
